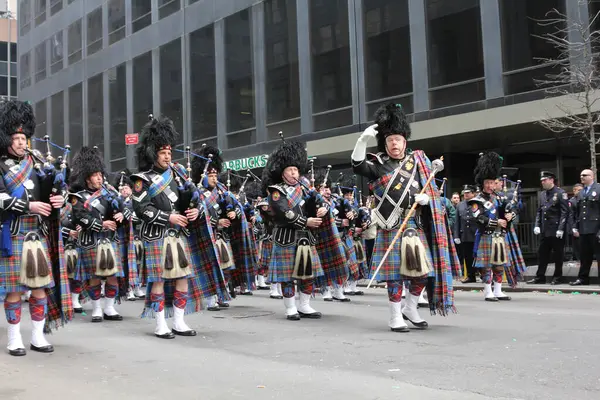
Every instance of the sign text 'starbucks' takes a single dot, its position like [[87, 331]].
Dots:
[[247, 163]]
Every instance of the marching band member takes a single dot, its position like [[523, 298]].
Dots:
[[397, 177]]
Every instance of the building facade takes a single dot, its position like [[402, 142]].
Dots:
[[8, 49], [237, 72]]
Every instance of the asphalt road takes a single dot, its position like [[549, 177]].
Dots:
[[538, 346]]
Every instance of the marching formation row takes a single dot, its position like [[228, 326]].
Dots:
[[195, 234]]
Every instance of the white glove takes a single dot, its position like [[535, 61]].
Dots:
[[457, 241], [360, 149], [536, 230], [422, 199], [559, 234]]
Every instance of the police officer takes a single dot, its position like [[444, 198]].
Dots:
[[550, 221], [587, 225], [464, 232], [576, 255]]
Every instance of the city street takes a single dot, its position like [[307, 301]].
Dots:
[[536, 346]]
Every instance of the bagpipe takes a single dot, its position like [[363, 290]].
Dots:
[[52, 177], [510, 204]]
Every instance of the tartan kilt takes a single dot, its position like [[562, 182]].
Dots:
[[266, 249], [281, 264], [364, 267], [10, 267], [331, 253], [86, 269], [484, 252], [390, 270], [351, 261], [153, 268]]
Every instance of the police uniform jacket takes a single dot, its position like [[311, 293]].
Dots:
[[552, 212], [465, 226], [588, 211]]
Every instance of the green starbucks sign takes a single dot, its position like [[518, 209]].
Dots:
[[247, 163]]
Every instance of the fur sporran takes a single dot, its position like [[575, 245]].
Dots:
[[360, 251], [139, 250], [225, 254], [35, 266], [174, 261], [303, 268], [71, 257], [413, 261], [499, 256], [106, 260]]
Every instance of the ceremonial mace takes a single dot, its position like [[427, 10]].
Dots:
[[438, 165]]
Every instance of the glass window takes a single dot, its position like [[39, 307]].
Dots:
[[40, 61], [57, 107], [281, 41], [3, 51], [40, 11], [168, 7], [594, 9], [13, 87], [387, 48], [116, 21], [95, 112], [24, 16], [330, 50], [56, 52], [3, 86], [191, 1], [171, 98], [25, 70], [76, 117], [55, 6], [94, 31], [74, 42], [203, 83], [141, 14], [142, 90], [40, 118], [238, 71], [13, 52], [521, 45], [117, 92]]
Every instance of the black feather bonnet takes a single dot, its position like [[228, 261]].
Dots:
[[122, 178], [15, 117], [157, 134], [253, 190], [198, 163], [288, 154], [320, 178], [391, 120], [86, 163], [488, 166]]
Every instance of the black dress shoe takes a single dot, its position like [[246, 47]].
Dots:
[[42, 349], [168, 335], [215, 308], [344, 300], [116, 317], [359, 293], [327, 298], [557, 281], [420, 325], [491, 299], [17, 352], [402, 329], [78, 310], [97, 319], [315, 315], [504, 298], [579, 282], [247, 294], [295, 317], [278, 297], [469, 280], [537, 281], [223, 305], [191, 332], [349, 293], [263, 288]]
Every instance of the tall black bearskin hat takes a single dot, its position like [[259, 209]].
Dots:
[[320, 178], [15, 117], [253, 190], [86, 163], [391, 120], [198, 164], [288, 154], [488, 166], [122, 178], [347, 186], [157, 134]]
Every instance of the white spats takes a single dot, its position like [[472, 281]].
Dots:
[[109, 307], [498, 293], [15, 341], [338, 294], [290, 306], [397, 323], [179, 324], [161, 324], [304, 304], [37, 335], [327, 296], [260, 282], [487, 292], [410, 312], [96, 309], [75, 299]]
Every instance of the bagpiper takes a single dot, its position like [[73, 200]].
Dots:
[[25, 247], [266, 241], [397, 177], [167, 203]]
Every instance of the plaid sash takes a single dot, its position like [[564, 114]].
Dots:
[[159, 185], [13, 180], [90, 200], [295, 197]]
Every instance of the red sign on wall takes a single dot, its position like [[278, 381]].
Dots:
[[131, 138]]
